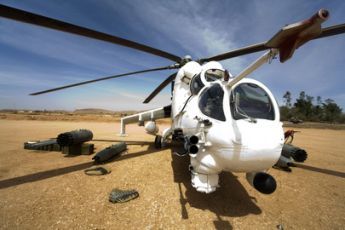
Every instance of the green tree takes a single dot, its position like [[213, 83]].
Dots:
[[287, 99], [304, 106], [317, 110], [319, 100], [331, 111], [285, 110], [304, 109]]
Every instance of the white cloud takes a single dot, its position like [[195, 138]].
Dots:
[[198, 30]]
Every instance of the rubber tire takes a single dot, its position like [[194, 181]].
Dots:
[[158, 142]]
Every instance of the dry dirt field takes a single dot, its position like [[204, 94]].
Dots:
[[47, 190]]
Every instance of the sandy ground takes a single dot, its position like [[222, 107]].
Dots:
[[47, 190]]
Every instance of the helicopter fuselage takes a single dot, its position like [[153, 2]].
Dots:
[[205, 108]]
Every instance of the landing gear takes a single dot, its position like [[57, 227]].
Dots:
[[158, 142]]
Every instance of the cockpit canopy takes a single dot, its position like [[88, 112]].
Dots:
[[247, 101], [211, 102], [207, 77]]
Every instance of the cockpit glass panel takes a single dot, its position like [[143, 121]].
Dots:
[[196, 84], [214, 74], [248, 100], [211, 102]]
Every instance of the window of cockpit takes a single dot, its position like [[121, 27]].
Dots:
[[214, 74], [248, 100], [196, 84], [211, 102]]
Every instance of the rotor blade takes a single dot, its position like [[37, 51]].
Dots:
[[160, 87], [100, 79], [332, 30], [35, 19], [238, 52], [328, 31]]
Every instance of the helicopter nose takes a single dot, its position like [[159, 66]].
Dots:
[[259, 141], [261, 135], [257, 146]]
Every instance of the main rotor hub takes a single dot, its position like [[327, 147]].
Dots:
[[186, 59]]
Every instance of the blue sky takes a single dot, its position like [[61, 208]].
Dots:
[[34, 58]]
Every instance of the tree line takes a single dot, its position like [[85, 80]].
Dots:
[[306, 108]]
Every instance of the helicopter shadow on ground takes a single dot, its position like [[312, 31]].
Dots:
[[230, 200], [321, 170], [42, 175]]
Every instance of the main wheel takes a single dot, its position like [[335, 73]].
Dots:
[[158, 142]]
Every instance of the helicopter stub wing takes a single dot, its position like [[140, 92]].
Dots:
[[292, 36], [150, 115]]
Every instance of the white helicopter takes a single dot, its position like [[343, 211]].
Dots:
[[224, 123]]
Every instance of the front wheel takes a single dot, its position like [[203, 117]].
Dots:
[[158, 142]]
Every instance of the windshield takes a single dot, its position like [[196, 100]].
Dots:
[[211, 102], [248, 100]]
